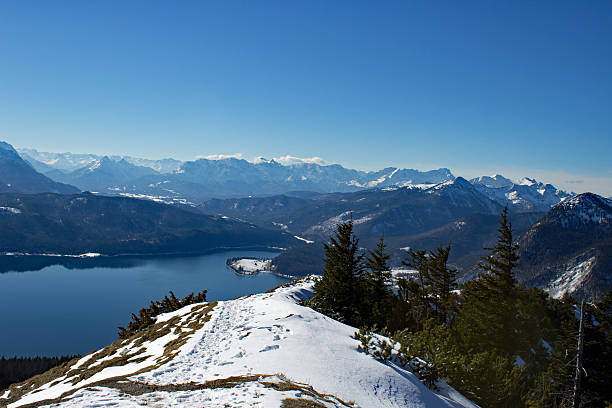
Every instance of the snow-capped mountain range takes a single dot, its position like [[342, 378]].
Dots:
[[525, 195], [68, 162], [563, 233], [171, 180]]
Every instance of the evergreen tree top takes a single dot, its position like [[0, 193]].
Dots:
[[503, 257], [377, 260]]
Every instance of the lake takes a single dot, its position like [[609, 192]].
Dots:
[[75, 307]]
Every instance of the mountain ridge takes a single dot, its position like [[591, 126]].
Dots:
[[570, 248], [231, 177], [16, 175], [74, 224]]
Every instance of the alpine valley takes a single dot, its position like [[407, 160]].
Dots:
[[228, 203]]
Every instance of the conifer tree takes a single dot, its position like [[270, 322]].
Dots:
[[489, 315], [499, 264], [339, 291], [378, 296], [418, 292], [441, 281]]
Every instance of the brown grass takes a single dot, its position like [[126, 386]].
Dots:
[[300, 403], [135, 388], [287, 385], [198, 316]]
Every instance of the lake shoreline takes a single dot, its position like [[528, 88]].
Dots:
[[76, 304], [24, 262]]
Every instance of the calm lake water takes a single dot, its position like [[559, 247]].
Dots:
[[76, 307]]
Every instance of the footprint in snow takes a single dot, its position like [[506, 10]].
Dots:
[[268, 348]]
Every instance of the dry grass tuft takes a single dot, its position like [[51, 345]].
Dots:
[[300, 403], [112, 357]]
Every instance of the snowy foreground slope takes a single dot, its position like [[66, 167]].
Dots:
[[263, 350]]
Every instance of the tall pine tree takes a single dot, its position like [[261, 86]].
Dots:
[[340, 290], [377, 301], [441, 281], [489, 314]]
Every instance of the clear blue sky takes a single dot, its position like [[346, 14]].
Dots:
[[522, 88]]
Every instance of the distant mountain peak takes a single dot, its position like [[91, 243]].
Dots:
[[528, 195], [460, 181], [583, 209], [8, 151], [591, 199], [6, 146], [588, 201], [17, 175], [526, 181], [567, 249], [496, 181], [456, 183]]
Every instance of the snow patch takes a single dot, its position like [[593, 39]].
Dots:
[[250, 266], [303, 239], [10, 210], [363, 220], [571, 280]]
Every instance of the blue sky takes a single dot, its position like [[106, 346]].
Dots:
[[521, 88]]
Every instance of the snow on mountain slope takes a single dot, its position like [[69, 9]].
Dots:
[[461, 193], [586, 208], [254, 351], [571, 279], [569, 248], [526, 195], [496, 181], [68, 162]]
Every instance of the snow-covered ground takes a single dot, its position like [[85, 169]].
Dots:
[[397, 273], [159, 199], [250, 266], [255, 351]]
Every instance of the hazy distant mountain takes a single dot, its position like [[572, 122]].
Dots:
[[82, 223], [16, 175], [570, 248], [496, 181], [240, 178], [61, 161], [199, 180], [105, 175], [161, 166], [67, 162], [196, 181], [527, 195]]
